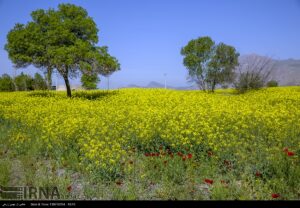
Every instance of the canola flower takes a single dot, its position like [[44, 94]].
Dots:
[[103, 129]]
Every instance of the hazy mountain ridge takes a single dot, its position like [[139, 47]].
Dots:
[[154, 84], [286, 72]]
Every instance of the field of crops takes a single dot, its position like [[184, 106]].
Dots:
[[156, 143]]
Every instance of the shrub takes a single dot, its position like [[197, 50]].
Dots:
[[272, 83], [249, 80]]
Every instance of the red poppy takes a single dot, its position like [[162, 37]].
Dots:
[[147, 154], [274, 196], [152, 154], [285, 149], [69, 188], [258, 174], [157, 154], [209, 153], [183, 158], [179, 154], [290, 153], [189, 155], [208, 181]]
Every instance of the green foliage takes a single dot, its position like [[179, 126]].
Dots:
[[249, 80], [4, 172], [105, 64], [209, 64], [222, 64], [197, 54], [39, 82], [89, 82], [272, 83], [6, 83], [64, 39], [24, 82], [28, 44]]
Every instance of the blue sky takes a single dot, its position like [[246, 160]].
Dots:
[[146, 35]]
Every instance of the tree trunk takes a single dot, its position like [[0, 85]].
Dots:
[[213, 85], [49, 78], [69, 93]]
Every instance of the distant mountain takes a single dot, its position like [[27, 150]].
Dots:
[[286, 72], [154, 84], [133, 86], [193, 87]]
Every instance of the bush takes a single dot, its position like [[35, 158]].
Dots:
[[272, 83], [254, 72], [249, 80]]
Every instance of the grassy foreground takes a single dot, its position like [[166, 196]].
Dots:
[[153, 143]]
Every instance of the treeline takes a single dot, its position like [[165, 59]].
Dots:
[[22, 82]]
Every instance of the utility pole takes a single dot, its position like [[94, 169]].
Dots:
[[56, 84], [14, 79], [165, 75]]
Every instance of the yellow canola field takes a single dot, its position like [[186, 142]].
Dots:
[[103, 129]]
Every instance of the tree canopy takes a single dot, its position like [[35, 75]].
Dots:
[[28, 44], [208, 63], [102, 63], [6, 83], [63, 39]]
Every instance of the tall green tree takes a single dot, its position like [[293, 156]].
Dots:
[[222, 66], [197, 54], [64, 39], [6, 83], [209, 64]]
